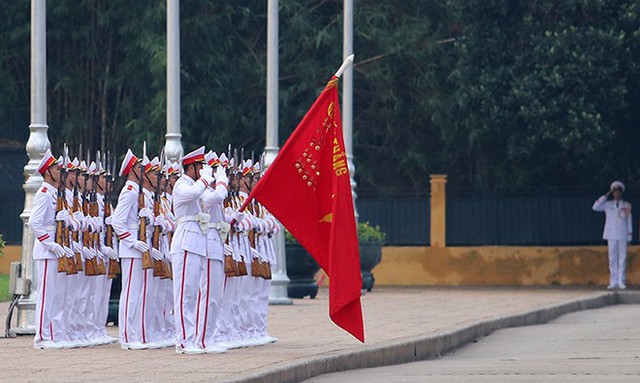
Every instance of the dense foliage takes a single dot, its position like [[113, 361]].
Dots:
[[499, 94]]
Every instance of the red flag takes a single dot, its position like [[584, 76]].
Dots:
[[308, 189]]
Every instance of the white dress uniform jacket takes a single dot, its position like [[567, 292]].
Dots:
[[187, 202], [618, 218], [42, 221], [125, 221]]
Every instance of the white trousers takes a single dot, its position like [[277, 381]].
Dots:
[[132, 303], [78, 301], [50, 302], [211, 287], [617, 261], [228, 320], [187, 274]]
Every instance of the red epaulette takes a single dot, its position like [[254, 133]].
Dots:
[[129, 187], [44, 190]]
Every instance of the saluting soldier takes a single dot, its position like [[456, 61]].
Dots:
[[617, 232], [212, 282], [189, 250]]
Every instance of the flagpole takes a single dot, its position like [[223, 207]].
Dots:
[[347, 97], [278, 294]]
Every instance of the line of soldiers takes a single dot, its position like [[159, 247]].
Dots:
[[196, 272]]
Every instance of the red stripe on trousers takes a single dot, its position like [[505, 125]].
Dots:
[[44, 290], [126, 306], [144, 303], [206, 310], [198, 315], [184, 267]]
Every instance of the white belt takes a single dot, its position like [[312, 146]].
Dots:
[[220, 226], [50, 228], [133, 226], [202, 219], [186, 218]]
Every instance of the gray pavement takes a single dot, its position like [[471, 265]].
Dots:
[[600, 345], [401, 325]]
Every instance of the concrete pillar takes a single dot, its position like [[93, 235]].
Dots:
[[173, 144], [278, 293], [37, 144], [438, 210], [347, 96]]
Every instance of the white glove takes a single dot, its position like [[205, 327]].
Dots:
[[228, 250], [238, 216], [107, 220], [158, 221], [141, 246], [88, 253], [109, 252], [97, 224], [206, 173], [629, 237], [63, 215], [99, 254], [221, 175], [80, 218], [145, 212], [68, 252], [55, 249], [76, 247], [156, 254]]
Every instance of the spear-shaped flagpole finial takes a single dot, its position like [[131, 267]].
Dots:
[[345, 64]]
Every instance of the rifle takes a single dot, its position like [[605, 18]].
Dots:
[[91, 267], [114, 266], [158, 266], [230, 264], [76, 207], [102, 270], [60, 226], [142, 228]]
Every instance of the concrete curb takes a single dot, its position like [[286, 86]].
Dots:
[[427, 347]]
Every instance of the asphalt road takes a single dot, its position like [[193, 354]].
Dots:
[[600, 345]]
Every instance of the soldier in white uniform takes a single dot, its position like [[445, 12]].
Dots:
[[189, 251], [212, 282], [51, 330], [125, 222], [617, 232]]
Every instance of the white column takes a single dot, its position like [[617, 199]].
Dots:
[[278, 294], [173, 145], [37, 144], [347, 96]]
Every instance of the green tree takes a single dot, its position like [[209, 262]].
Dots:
[[540, 87]]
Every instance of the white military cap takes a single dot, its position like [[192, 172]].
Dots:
[[617, 184]]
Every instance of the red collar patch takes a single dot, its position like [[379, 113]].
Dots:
[[44, 190], [129, 187]]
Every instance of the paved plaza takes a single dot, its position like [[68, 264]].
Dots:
[[402, 325], [600, 345]]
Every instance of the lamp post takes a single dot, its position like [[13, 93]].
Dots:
[[278, 293], [37, 144], [173, 145]]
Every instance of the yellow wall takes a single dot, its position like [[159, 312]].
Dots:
[[11, 254], [482, 265], [499, 265]]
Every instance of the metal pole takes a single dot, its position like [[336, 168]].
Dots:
[[173, 145], [37, 144], [278, 293], [347, 96]]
